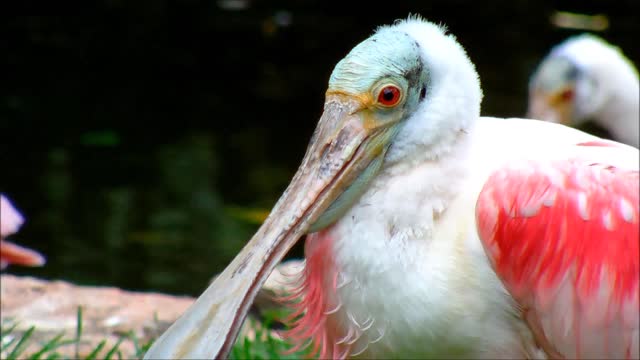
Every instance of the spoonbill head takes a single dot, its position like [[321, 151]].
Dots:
[[585, 78]]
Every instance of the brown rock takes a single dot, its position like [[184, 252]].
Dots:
[[108, 313]]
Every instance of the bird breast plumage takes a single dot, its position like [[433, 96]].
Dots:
[[384, 277]]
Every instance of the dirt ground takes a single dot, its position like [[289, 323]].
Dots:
[[108, 313]]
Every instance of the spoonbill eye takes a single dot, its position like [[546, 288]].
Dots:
[[389, 95], [566, 95]]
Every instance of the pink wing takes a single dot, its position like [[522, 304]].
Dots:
[[563, 238]]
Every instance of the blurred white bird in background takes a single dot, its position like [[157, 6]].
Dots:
[[585, 79]]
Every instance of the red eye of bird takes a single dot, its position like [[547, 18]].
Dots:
[[389, 95], [566, 95]]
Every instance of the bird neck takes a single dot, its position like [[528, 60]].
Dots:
[[621, 117], [405, 201], [620, 110], [438, 155], [408, 237]]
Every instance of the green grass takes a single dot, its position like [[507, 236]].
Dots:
[[13, 345], [264, 346]]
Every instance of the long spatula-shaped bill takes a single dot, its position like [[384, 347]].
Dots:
[[345, 151]]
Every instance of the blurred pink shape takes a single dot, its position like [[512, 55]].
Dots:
[[10, 218], [10, 222]]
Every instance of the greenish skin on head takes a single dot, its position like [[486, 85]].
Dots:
[[387, 56]]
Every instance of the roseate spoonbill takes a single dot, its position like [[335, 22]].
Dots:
[[433, 232], [585, 79], [10, 253]]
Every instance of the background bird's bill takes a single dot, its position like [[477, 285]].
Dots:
[[555, 106], [345, 151], [11, 253]]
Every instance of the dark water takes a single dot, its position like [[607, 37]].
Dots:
[[132, 133]]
